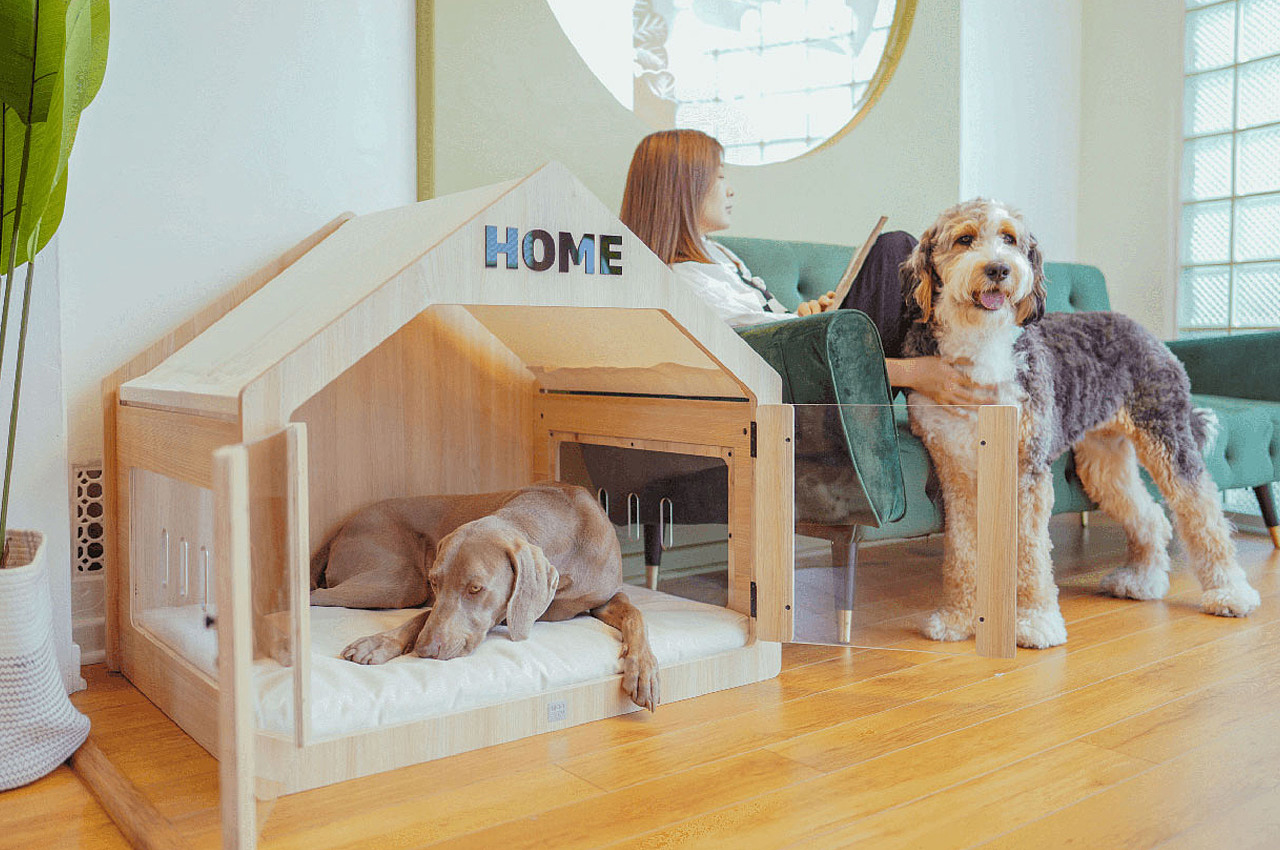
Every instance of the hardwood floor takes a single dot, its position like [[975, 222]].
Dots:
[[1154, 726]]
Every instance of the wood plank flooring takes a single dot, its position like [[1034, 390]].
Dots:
[[1154, 726]]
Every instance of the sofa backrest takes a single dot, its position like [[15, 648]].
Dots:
[[799, 271]]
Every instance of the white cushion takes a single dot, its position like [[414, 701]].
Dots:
[[348, 697]]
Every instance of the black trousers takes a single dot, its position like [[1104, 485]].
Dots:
[[877, 290]]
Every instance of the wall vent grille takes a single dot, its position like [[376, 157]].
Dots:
[[88, 519]]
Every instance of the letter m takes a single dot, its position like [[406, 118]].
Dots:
[[583, 253]]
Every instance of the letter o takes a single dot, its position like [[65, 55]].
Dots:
[[548, 250]]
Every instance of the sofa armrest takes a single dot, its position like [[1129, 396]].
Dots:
[[1239, 366], [836, 358]]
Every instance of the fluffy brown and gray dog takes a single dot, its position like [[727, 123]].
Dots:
[[1096, 383], [542, 552]]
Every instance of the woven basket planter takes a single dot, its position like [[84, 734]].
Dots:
[[39, 727]]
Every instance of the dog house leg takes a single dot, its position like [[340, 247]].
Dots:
[[652, 555], [1267, 502]]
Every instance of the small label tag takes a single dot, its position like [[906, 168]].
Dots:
[[557, 711]]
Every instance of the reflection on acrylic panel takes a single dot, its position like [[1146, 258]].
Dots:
[[771, 79], [670, 510]]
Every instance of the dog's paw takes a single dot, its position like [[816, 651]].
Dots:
[[1041, 628], [374, 649], [1134, 583], [640, 678], [947, 624], [1234, 600]]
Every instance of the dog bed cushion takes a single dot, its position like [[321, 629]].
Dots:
[[348, 697]]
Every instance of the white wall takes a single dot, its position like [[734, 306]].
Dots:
[[1020, 108], [1130, 154], [223, 134]]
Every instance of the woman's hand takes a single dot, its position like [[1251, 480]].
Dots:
[[939, 381], [821, 305]]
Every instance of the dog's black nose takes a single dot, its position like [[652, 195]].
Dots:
[[997, 271]]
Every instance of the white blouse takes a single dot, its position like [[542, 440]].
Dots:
[[723, 284]]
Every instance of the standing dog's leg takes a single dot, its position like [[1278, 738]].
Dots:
[[639, 667], [384, 646], [1203, 528], [954, 620], [1040, 624], [1108, 468]]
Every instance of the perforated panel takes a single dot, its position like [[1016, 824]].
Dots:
[[88, 518]]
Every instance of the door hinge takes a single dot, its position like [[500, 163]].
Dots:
[[753, 438], [753, 599]]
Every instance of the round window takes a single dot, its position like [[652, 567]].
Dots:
[[771, 79]]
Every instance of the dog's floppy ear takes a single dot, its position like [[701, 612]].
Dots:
[[1031, 308], [920, 278], [535, 586]]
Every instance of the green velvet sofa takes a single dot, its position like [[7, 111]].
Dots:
[[836, 358]]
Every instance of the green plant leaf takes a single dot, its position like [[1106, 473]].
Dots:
[[31, 49], [87, 27], [46, 140]]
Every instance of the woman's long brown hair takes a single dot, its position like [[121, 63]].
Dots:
[[671, 173]]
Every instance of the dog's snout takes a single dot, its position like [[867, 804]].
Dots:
[[429, 649], [997, 271]]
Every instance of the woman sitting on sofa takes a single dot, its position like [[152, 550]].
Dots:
[[677, 193]]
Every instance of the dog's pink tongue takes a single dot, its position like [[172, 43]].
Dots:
[[992, 299]]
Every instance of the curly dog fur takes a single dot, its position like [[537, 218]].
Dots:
[[1097, 383]]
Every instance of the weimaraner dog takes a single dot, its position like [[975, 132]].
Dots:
[[542, 552]]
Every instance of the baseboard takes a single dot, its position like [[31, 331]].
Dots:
[[71, 678], [1247, 523]]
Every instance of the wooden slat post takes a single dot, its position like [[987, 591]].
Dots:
[[298, 560], [235, 649], [997, 454], [773, 564]]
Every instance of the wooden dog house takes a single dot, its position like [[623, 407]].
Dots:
[[446, 347]]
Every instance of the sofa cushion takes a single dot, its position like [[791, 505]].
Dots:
[[793, 271], [1247, 450], [1072, 287], [799, 271]]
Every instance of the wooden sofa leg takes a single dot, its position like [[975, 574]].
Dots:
[[1084, 519], [652, 556], [1267, 502]]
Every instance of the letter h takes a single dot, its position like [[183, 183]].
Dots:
[[492, 247]]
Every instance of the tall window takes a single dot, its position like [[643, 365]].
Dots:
[[1230, 246]]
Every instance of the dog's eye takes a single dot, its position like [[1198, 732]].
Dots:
[[1010, 239], [474, 589], [965, 240]]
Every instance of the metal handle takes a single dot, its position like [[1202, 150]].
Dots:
[[164, 544], [186, 566], [602, 496], [633, 523], [204, 556], [666, 522]]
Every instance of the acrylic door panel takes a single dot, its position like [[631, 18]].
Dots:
[[880, 594], [262, 553]]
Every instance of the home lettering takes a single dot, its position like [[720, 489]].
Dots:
[[540, 250]]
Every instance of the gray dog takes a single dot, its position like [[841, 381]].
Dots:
[[543, 552], [1097, 383]]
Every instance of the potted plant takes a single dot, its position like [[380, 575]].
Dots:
[[52, 58]]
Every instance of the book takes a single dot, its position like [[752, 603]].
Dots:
[[855, 264]]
